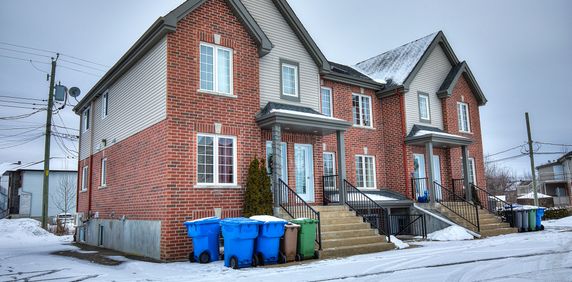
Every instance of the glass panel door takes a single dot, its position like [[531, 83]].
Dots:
[[304, 171]]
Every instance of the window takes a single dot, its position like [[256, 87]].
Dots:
[[361, 106], [84, 178], [472, 175], [104, 103], [463, 117], [327, 101], [424, 114], [283, 160], [289, 75], [85, 119], [216, 162], [216, 69], [329, 169], [104, 172], [365, 171]]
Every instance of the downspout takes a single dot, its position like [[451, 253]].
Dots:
[[91, 131], [404, 147]]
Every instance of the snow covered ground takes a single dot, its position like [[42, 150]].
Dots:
[[539, 256]]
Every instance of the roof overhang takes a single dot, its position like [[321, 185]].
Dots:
[[446, 89], [302, 123], [158, 30], [439, 140], [338, 77]]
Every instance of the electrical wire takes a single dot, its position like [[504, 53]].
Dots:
[[554, 144], [86, 66], [507, 150], [22, 115], [507, 158], [24, 52], [23, 143], [73, 69], [23, 98], [53, 52]]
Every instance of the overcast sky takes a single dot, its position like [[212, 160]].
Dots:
[[519, 51]]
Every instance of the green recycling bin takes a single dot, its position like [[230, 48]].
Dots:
[[306, 237], [532, 220]]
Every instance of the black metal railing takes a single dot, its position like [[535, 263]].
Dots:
[[493, 204], [331, 189], [413, 225], [367, 208], [464, 209], [419, 190], [296, 207], [458, 187]]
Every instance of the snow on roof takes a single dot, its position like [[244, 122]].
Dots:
[[292, 112], [531, 196], [394, 66], [427, 132], [55, 165], [377, 197]]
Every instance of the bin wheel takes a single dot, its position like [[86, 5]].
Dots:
[[255, 261], [192, 257], [233, 262], [260, 259], [281, 258], [316, 254], [541, 227], [299, 257], [205, 257]]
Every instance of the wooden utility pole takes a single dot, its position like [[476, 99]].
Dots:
[[47, 145], [531, 155]]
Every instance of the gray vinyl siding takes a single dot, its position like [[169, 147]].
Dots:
[[428, 80], [136, 101], [288, 47], [84, 139]]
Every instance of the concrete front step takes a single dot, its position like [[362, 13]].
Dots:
[[355, 250], [336, 214], [330, 208], [498, 231], [333, 243], [494, 226], [341, 220], [345, 226], [348, 234]]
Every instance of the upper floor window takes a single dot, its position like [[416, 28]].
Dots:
[[361, 106], [424, 114], [84, 175], [290, 80], [216, 69], [365, 171], [326, 95], [85, 120], [216, 162], [103, 172], [463, 117], [104, 104]]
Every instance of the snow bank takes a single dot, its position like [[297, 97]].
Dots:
[[267, 218], [451, 233], [398, 243], [24, 231], [563, 222]]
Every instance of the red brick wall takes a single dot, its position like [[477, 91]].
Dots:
[[398, 178], [357, 138], [462, 93], [190, 112]]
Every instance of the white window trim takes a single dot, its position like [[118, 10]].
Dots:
[[460, 106], [215, 70], [474, 168], [103, 181], [333, 160], [427, 109], [104, 105], [215, 162], [84, 176], [86, 120], [361, 121], [297, 94], [364, 174], [331, 101]]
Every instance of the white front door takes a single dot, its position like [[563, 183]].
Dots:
[[437, 176], [419, 173], [304, 162]]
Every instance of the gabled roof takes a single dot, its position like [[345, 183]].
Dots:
[[347, 74], [160, 28], [446, 89]]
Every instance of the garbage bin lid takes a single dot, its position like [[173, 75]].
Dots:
[[304, 220], [268, 218], [239, 221], [206, 220]]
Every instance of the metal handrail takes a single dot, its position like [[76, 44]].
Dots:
[[331, 189], [459, 206], [418, 188], [367, 208], [416, 225], [492, 202], [296, 207]]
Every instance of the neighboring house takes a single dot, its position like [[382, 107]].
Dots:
[[168, 133], [25, 191], [555, 179]]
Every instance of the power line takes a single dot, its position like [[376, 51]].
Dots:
[[20, 107], [24, 52], [53, 52], [22, 59], [23, 98], [86, 66], [507, 150], [66, 67], [21, 103], [23, 143], [507, 158], [22, 115], [554, 144]]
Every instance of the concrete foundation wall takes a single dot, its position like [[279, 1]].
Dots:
[[433, 223], [138, 237]]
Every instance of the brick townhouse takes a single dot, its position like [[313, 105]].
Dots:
[[168, 133]]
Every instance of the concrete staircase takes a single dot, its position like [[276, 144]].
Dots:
[[490, 224], [345, 234]]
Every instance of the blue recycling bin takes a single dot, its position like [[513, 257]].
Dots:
[[267, 247], [539, 215], [239, 235], [205, 233]]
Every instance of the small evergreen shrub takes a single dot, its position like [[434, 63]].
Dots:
[[258, 196]]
